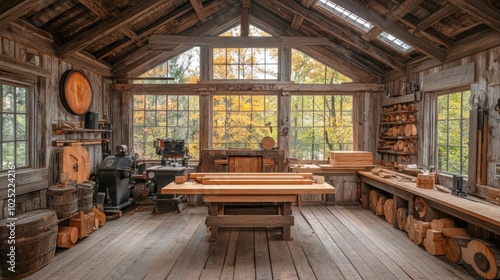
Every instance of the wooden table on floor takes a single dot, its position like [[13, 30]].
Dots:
[[216, 195]]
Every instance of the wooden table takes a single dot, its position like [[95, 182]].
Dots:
[[216, 195], [484, 215]]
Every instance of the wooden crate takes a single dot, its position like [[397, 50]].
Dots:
[[350, 158]]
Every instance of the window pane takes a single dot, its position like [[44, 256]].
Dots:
[[8, 127], [21, 126], [150, 102], [20, 100], [8, 152], [8, 98]]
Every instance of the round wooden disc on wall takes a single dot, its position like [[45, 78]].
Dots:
[[267, 143], [76, 92]]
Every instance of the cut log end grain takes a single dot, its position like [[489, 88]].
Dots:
[[440, 224], [401, 216], [389, 211], [452, 248], [483, 257], [434, 248], [379, 208]]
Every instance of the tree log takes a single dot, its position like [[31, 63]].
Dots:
[[401, 215], [434, 248], [373, 199], [379, 208], [67, 237], [389, 211], [452, 248], [413, 130], [420, 232], [483, 257], [440, 224], [408, 129], [462, 233]]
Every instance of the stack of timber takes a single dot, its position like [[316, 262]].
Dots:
[[253, 179], [376, 201], [387, 173], [350, 158]]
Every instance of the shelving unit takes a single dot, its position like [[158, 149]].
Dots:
[[65, 128], [398, 128]]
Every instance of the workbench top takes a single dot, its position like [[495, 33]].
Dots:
[[195, 188]]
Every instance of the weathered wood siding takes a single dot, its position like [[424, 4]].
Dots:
[[42, 73], [485, 75]]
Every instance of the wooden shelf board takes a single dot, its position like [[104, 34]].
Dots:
[[397, 123], [396, 153], [399, 137], [398, 112]]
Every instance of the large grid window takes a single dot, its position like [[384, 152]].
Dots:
[[174, 117], [319, 124], [14, 124], [245, 63], [241, 121], [453, 132]]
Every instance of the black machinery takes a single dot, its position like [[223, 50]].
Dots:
[[174, 162], [114, 181]]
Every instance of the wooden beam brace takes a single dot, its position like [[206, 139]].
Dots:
[[297, 19], [393, 29], [105, 28], [253, 86], [158, 41], [23, 67], [436, 17], [245, 17], [15, 9], [198, 9], [481, 10], [340, 33], [402, 9], [370, 35]]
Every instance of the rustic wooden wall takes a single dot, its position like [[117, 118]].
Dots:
[[42, 72], [485, 74]]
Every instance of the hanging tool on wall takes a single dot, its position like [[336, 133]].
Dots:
[[478, 125]]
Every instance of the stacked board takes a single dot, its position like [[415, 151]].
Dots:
[[350, 158]]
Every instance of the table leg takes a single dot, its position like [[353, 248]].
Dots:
[[214, 230], [287, 211]]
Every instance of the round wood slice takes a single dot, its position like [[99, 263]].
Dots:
[[452, 248], [267, 143], [401, 215], [420, 206], [389, 211], [408, 130], [413, 130], [484, 258], [76, 92]]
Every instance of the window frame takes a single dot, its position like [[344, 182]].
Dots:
[[30, 119], [464, 165], [324, 144]]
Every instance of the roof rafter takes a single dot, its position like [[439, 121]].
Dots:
[[297, 20], [198, 9], [105, 28], [340, 33], [393, 29], [481, 10], [15, 9], [436, 17]]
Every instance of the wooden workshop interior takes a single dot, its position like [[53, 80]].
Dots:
[[250, 139]]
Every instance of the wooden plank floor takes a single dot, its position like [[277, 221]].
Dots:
[[331, 242]]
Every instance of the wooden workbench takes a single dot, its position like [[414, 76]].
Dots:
[[483, 215], [216, 195]]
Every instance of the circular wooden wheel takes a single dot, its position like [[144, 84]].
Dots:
[[76, 92]]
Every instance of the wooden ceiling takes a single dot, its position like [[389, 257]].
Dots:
[[113, 36]]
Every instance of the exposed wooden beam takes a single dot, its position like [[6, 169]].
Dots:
[[158, 41], [372, 33], [481, 10], [198, 9], [97, 8], [297, 20], [392, 29], [169, 19], [107, 27], [340, 33], [250, 85], [436, 17], [15, 9], [33, 30], [245, 17], [402, 9], [144, 59], [336, 56]]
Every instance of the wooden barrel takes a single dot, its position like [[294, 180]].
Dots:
[[63, 200], [86, 196], [35, 235]]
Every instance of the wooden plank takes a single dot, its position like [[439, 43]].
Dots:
[[198, 8], [228, 269], [481, 10], [257, 182], [280, 257], [262, 255], [215, 261], [244, 267], [198, 175], [302, 267], [450, 78], [249, 221], [436, 17], [15, 9], [245, 198], [245, 164]]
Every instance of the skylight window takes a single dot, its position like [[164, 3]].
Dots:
[[364, 25]]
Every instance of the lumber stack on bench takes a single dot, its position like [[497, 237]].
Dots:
[[253, 178]]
